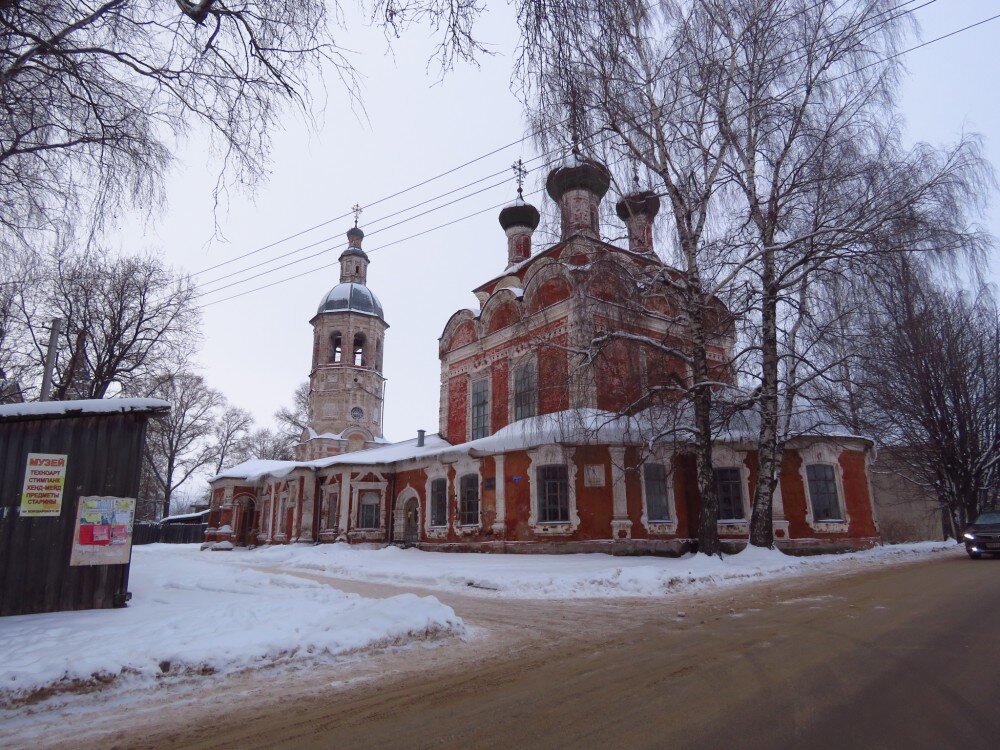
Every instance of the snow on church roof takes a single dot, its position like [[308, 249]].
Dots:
[[354, 297], [570, 427]]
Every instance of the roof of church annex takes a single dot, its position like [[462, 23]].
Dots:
[[352, 296], [581, 426]]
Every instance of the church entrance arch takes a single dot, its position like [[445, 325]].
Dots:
[[411, 521], [406, 525]]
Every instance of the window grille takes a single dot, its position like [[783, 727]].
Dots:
[[439, 502], [729, 489], [480, 405], [657, 498], [524, 392], [469, 500], [553, 494], [823, 493]]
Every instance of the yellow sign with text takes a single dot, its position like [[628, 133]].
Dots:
[[44, 479]]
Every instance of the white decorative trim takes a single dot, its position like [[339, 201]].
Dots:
[[437, 470], [356, 490], [330, 494], [464, 466], [544, 456], [827, 454], [666, 459], [499, 495], [399, 517], [726, 457], [529, 357], [480, 374]]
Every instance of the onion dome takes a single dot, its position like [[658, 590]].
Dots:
[[645, 203], [519, 214], [351, 297], [585, 173]]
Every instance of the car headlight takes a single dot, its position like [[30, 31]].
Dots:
[[970, 537]]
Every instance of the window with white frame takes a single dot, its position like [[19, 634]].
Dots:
[[729, 490], [524, 391], [468, 503], [439, 502], [823, 495], [368, 511], [657, 492], [553, 494], [480, 406]]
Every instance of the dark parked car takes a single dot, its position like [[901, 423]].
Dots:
[[983, 536]]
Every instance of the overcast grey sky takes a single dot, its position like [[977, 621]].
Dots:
[[257, 348]]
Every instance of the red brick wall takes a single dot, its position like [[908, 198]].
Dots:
[[553, 379], [499, 394], [548, 293], [594, 504], [506, 314], [458, 408]]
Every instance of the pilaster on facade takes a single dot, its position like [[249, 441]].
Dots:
[[343, 525], [500, 496], [621, 525]]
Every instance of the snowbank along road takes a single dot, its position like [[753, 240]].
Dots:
[[897, 648]]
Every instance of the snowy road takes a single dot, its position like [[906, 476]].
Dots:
[[513, 643]]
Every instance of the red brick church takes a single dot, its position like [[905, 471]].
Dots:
[[543, 445]]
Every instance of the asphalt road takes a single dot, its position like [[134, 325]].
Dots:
[[904, 656]]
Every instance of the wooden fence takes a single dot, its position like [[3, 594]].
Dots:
[[171, 533]]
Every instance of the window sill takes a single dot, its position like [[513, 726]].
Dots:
[[553, 529], [661, 527], [732, 526], [468, 529], [830, 527]]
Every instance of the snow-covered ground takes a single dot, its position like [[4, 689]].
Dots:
[[190, 615], [213, 612], [557, 576]]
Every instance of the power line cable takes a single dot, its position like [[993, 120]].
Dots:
[[532, 134], [476, 213]]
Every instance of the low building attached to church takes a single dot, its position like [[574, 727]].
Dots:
[[543, 445]]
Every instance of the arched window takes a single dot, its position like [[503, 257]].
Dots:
[[359, 350], [336, 347]]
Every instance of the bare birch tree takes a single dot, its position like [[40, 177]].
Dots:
[[179, 444]]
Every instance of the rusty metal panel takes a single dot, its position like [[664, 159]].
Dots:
[[105, 452]]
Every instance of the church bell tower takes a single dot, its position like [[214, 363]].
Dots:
[[346, 385]]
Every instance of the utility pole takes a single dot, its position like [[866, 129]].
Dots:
[[50, 358]]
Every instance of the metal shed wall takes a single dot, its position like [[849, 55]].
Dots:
[[105, 452]]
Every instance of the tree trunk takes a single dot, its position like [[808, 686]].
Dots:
[[761, 518], [708, 531]]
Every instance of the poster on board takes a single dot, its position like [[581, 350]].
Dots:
[[44, 479], [103, 534]]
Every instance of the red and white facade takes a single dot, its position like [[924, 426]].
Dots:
[[529, 455]]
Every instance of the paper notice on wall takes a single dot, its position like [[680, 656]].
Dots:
[[103, 534], [44, 479]]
